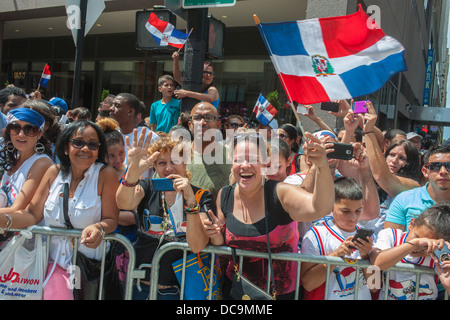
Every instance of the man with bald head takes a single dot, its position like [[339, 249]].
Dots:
[[208, 166]]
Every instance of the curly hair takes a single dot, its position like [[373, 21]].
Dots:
[[165, 144], [110, 128]]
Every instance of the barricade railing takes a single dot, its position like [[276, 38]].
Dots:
[[295, 257], [132, 273]]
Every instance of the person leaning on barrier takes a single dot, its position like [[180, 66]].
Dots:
[[241, 212], [169, 158], [81, 149], [24, 157]]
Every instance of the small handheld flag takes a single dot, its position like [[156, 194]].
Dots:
[[265, 112], [45, 77], [165, 33]]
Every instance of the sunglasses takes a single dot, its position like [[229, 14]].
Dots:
[[436, 166], [208, 73], [28, 129], [207, 117], [235, 125], [79, 144]]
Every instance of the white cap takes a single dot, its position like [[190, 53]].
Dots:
[[411, 135]]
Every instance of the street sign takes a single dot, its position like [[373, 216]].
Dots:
[[193, 4]]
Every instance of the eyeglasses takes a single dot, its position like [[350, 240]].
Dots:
[[436, 166], [28, 129], [235, 125], [79, 144], [210, 73], [207, 117]]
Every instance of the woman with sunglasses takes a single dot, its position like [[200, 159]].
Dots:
[[81, 149], [209, 92], [155, 203], [395, 171], [242, 212], [24, 158]]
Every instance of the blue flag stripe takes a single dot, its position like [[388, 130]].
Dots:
[[284, 38]]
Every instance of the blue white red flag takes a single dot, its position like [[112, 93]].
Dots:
[[265, 112], [45, 77], [165, 33], [319, 60]]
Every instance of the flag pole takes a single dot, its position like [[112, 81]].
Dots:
[[299, 123], [179, 49]]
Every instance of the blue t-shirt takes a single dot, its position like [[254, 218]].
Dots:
[[409, 204], [165, 116]]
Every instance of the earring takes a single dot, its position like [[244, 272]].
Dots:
[[263, 179], [65, 152], [39, 148], [10, 147]]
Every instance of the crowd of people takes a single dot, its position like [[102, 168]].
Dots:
[[244, 190]]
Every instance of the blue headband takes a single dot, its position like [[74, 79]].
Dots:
[[27, 115]]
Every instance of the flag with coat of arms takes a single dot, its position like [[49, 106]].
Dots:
[[265, 112], [333, 58], [165, 33]]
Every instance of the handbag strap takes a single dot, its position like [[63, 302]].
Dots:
[[233, 250], [66, 206]]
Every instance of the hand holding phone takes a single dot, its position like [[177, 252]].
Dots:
[[359, 107], [162, 184], [342, 151], [361, 234], [330, 106], [443, 254]]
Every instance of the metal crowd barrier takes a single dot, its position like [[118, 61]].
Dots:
[[223, 250], [132, 273]]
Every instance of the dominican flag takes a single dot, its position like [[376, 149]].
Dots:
[[45, 77], [319, 60], [265, 112], [164, 33]]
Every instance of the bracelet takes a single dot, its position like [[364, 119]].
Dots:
[[8, 224], [369, 132], [102, 229], [193, 210], [130, 185]]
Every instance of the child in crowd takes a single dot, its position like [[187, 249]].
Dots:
[[334, 237], [429, 231], [164, 113]]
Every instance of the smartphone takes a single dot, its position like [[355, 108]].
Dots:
[[330, 106], [162, 184], [362, 233], [443, 254], [342, 151], [302, 109], [205, 209], [359, 107]]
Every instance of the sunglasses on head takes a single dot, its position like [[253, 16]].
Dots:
[[28, 129], [436, 166], [79, 144]]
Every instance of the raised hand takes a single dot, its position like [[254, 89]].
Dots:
[[138, 159]]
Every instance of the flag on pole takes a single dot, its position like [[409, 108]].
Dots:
[[319, 60], [265, 112], [164, 33], [45, 77]]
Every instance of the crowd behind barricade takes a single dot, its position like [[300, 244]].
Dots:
[[258, 189]]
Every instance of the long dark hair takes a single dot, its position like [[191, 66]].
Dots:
[[8, 158], [67, 134], [411, 168]]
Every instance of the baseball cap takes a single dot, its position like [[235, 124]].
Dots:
[[323, 134], [411, 135], [58, 102]]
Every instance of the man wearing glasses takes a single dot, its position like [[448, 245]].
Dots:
[[409, 204], [208, 166]]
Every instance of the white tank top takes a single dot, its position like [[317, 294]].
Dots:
[[85, 208], [12, 184]]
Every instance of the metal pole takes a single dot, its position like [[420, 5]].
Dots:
[[79, 54]]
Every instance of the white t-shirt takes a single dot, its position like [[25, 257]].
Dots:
[[402, 284], [323, 239]]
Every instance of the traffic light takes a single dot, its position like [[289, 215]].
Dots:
[[144, 40]]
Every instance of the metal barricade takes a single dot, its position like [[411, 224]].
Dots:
[[132, 274], [295, 257]]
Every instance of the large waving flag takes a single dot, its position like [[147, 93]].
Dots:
[[335, 58], [45, 77], [265, 112], [165, 33]]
